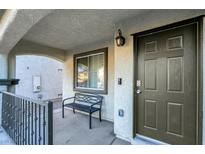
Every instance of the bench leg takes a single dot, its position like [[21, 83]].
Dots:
[[100, 115], [62, 111], [90, 121], [73, 110]]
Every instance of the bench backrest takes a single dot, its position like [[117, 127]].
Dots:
[[87, 98]]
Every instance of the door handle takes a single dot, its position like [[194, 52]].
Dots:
[[138, 91]]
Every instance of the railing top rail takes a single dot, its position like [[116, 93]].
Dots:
[[40, 102]]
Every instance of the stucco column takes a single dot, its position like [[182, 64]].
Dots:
[[123, 97], [11, 70], [3, 75]]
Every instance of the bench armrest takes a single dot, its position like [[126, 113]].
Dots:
[[67, 99]]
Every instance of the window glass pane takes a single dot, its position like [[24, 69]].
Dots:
[[82, 72], [96, 73]]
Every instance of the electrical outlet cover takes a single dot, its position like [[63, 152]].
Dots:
[[121, 112]]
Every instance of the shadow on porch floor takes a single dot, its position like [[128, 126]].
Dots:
[[74, 130]]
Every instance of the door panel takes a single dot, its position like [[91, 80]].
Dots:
[[150, 114], [175, 74], [166, 108], [175, 118], [150, 75]]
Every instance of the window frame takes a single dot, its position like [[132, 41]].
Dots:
[[89, 54]]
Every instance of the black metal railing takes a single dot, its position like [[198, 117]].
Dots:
[[27, 121]]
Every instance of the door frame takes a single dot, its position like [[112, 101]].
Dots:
[[199, 21]]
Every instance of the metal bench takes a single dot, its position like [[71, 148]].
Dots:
[[84, 102]]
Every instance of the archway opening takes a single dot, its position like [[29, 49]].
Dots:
[[41, 78]]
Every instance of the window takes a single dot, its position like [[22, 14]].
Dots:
[[90, 73]]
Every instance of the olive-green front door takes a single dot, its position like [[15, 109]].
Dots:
[[166, 85]]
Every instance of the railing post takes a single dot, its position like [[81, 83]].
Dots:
[[50, 123], [2, 104]]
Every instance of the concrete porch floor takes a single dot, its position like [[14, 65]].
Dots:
[[4, 138], [74, 130]]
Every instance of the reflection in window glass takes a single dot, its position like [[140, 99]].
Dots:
[[96, 72], [90, 71], [82, 72]]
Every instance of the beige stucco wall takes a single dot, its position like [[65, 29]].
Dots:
[[123, 126], [124, 93], [108, 103]]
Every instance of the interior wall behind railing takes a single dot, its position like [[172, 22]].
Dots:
[[30, 48], [39, 71]]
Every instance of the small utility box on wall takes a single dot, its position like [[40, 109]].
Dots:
[[36, 83]]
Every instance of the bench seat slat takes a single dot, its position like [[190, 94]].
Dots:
[[82, 107]]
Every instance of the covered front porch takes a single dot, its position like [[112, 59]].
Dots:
[[85, 41]]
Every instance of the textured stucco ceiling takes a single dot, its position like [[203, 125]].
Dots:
[[15, 23], [67, 29]]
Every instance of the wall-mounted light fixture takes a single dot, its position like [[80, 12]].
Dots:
[[120, 40]]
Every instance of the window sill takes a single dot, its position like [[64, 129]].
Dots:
[[93, 91]]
